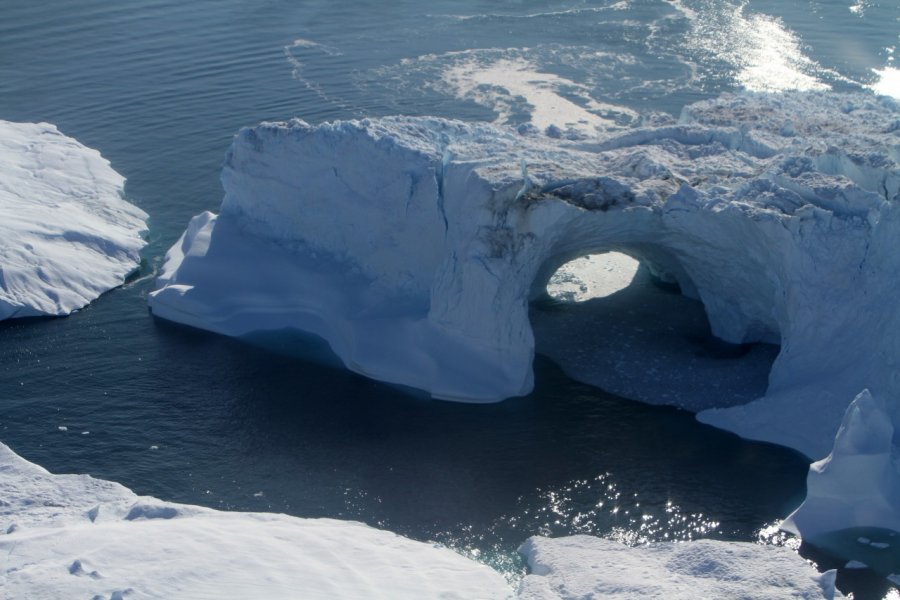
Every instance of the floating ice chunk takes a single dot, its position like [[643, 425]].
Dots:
[[588, 567], [66, 234], [858, 484]]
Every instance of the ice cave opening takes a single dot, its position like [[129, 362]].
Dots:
[[632, 328]]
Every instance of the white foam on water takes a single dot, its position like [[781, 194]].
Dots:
[[502, 83], [499, 83], [566, 12]]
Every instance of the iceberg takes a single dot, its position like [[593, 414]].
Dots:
[[582, 566], [73, 536], [413, 246], [67, 234]]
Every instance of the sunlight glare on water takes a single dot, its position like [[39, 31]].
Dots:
[[888, 82], [764, 55]]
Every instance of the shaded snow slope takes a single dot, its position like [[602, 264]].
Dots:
[[66, 234], [73, 536], [587, 567], [413, 245]]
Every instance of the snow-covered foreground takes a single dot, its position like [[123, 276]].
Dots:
[[73, 536], [414, 245], [66, 234]]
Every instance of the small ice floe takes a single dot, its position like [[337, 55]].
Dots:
[[66, 233]]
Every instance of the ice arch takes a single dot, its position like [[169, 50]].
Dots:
[[413, 245]]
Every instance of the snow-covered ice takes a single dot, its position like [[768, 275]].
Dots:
[[587, 567], [66, 234], [73, 536]]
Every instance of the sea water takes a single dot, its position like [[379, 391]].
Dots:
[[160, 87]]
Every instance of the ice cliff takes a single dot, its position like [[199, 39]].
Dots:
[[414, 245], [73, 536], [66, 234]]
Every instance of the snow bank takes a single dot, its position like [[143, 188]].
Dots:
[[413, 245], [73, 536], [66, 234], [588, 567]]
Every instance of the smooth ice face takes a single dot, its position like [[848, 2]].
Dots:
[[73, 536], [66, 234], [587, 567], [414, 245]]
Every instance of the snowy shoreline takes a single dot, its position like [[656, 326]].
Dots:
[[73, 536]]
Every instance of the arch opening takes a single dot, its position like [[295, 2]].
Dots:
[[631, 322], [592, 276]]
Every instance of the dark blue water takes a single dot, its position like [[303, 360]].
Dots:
[[159, 87]]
